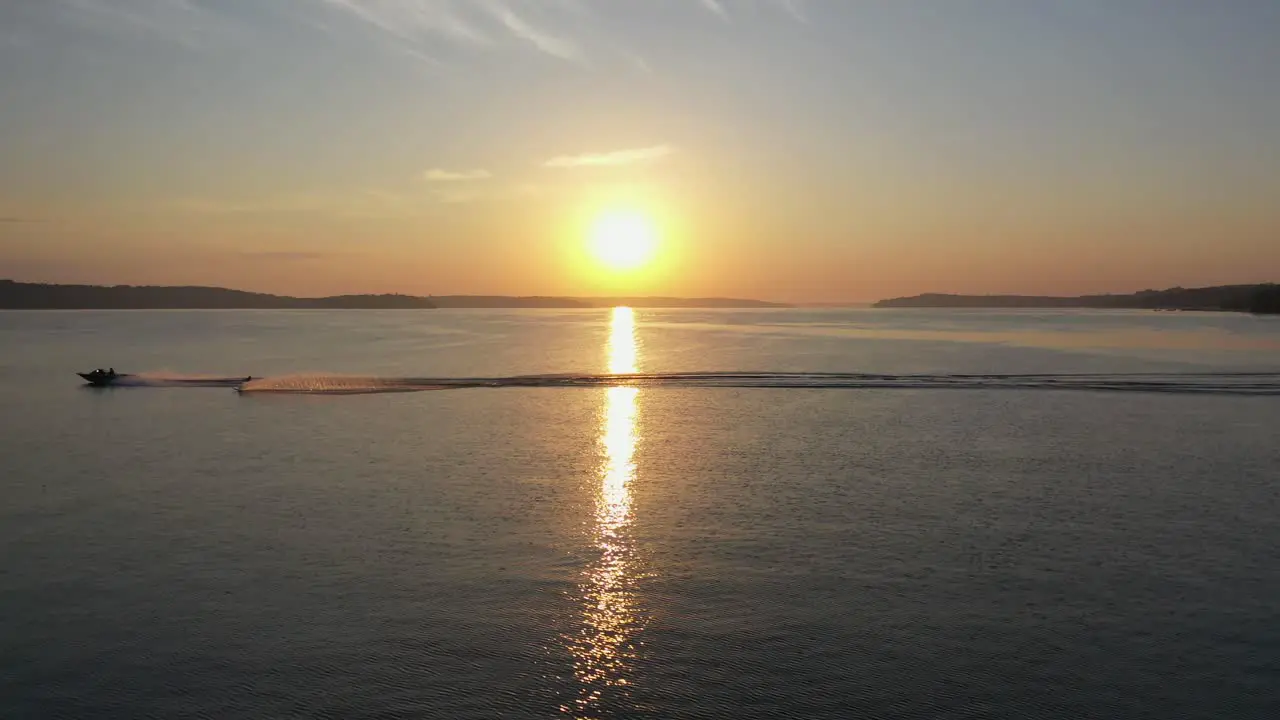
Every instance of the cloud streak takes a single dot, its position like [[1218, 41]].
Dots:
[[552, 45], [413, 20], [794, 8], [715, 7], [634, 156], [441, 175], [412, 24]]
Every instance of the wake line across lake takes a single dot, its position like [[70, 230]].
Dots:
[[1243, 383]]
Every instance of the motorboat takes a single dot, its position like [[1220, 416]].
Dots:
[[102, 378], [106, 378]]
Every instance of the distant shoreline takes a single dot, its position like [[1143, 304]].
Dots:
[[1258, 298], [44, 296]]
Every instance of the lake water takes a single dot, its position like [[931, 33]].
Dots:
[[673, 548]]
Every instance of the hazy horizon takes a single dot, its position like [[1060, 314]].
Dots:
[[783, 150]]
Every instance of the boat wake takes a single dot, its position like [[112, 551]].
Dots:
[[1259, 383]]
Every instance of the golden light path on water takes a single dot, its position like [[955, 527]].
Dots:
[[610, 619]]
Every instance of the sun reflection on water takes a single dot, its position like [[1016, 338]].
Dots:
[[603, 648]]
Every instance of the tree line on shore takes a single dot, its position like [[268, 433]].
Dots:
[[1258, 298]]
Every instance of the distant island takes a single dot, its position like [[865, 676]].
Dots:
[[1260, 299], [41, 296]]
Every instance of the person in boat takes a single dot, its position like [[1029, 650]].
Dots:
[[111, 372]]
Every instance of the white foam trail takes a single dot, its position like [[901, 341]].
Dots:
[[1201, 383], [331, 385]]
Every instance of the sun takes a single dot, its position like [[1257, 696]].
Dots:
[[622, 240]]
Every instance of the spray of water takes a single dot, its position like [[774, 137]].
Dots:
[[320, 384]]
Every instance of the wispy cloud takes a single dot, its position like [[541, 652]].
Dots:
[[440, 175], [548, 43], [716, 7], [632, 156], [414, 20], [412, 25], [794, 8]]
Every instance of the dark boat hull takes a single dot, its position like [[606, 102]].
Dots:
[[97, 380], [107, 380]]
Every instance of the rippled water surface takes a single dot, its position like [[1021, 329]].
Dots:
[[782, 513]]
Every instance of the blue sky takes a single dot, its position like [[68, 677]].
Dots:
[[797, 149]]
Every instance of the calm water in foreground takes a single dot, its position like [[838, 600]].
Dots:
[[663, 552]]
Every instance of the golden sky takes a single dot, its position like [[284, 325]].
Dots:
[[777, 149]]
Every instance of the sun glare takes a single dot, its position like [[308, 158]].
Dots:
[[623, 240]]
